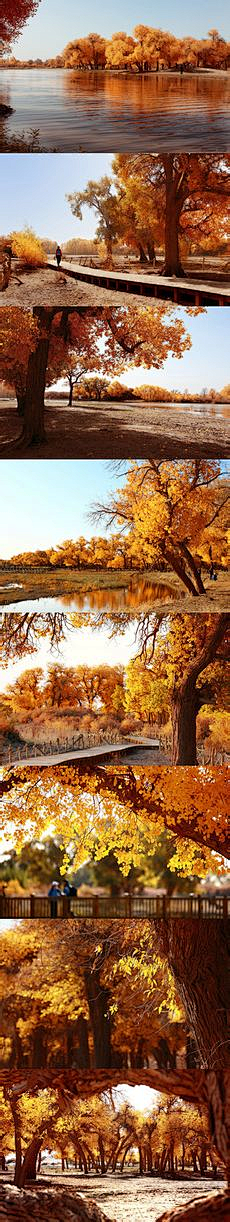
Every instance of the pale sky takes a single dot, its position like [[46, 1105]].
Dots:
[[48, 502], [85, 646], [54, 25]]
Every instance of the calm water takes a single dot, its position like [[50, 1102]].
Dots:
[[128, 599], [78, 112]]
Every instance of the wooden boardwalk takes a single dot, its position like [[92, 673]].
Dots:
[[125, 907], [182, 291], [99, 751]]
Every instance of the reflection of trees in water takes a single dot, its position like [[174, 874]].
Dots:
[[129, 598], [149, 93]]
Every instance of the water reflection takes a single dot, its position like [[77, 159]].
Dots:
[[98, 111], [138, 595]]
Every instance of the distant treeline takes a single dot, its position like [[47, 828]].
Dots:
[[146, 50]]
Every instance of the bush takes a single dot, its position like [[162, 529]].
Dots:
[[28, 248]]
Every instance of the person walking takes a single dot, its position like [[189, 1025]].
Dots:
[[58, 255]]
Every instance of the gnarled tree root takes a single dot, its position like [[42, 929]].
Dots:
[[47, 1205], [201, 1209]]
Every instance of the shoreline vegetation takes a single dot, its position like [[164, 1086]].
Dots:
[[147, 50]]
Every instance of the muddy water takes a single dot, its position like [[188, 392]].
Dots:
[[98, 111], [129, 1199]]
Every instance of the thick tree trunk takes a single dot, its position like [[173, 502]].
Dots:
[[29, 1166], [205, 1209], [173, 266], [199, 959], [21, 399], [184, 714], [98, 1002], [33, 427]]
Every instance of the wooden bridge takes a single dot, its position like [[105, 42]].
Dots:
[[182, 291], [40, 758], [124, 907]]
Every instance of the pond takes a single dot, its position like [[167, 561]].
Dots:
[[127, 598], [99, 112]]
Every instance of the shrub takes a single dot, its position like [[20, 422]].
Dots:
[[28, 248]]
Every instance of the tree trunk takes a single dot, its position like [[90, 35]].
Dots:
[[173, 266], [29, 1166], [199, 959], [33, 428], [21, 399], [184, 714], [70, 392], [39, 1047], [98, 1002], [208, 1209]]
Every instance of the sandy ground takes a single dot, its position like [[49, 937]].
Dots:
[[42, 288], [129, 1199], [118, 430]]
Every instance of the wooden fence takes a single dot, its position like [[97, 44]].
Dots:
[[133, 907]]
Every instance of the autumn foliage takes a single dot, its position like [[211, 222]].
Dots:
[[13, 15], [28, 248]]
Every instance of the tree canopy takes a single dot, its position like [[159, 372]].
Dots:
[[14, 14]]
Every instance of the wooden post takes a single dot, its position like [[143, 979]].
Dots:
[[95, 907], [32, 906], [164, 907], [65, 907]]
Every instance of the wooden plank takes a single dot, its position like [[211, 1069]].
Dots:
[[178, 288]]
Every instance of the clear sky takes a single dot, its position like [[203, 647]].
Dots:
[[56, 24], [34, 187], [47, 502]]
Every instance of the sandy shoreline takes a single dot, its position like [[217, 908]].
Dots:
[[118, 430]]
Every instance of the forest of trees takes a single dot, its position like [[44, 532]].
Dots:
[[146, 50], [39, 346], [168, 517], [82, 705], [73, 1008], [101, 1135], [135, 995], [178, 201]]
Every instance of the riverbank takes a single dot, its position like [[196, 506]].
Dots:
[[114, 430], [70, 590]]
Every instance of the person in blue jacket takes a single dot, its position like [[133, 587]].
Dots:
[[54, 894]]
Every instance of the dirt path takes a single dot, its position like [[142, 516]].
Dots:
[[130, 1199], [38, 288], [114, 430]]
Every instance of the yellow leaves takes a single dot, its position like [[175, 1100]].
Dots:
[[28, 248]]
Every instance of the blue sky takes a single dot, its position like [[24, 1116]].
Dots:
[[34, 187], [55, 24], [47, 502]]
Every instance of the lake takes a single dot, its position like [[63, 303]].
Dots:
[[98, 112]]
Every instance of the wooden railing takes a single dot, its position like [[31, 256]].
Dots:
[[132, 907]]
